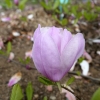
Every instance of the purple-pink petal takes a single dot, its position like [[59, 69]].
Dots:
[[66, 36], [14, 79], [50, 56], [55, 50], [36, 55], [73, 50]]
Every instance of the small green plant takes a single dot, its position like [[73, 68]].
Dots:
[[29, 91], [70, 81], [22, 4], [25, 61], [9, 47], [8, 3], [96, 95], [17, 92]]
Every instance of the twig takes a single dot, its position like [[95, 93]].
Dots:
[[74, 73], [87, 77], [70, 91], [14, 61]]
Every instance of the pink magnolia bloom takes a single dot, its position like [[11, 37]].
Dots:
[[55, 50]]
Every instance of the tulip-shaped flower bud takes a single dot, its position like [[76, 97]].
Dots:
[[55, 50], [16, 2]]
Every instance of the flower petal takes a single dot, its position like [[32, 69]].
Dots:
[[68, 95], [6, 19], [73, 50], [28, 54], [87, 56], [51, 58], [37, 32], [56, 34], [85, 67], [11, 56], [65, 38], [15, 78], [36, 52]]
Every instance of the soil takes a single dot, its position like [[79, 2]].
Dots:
[[83, 88]]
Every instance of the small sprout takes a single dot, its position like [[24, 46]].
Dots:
[[70, 81], [9, 47], [17, 93]]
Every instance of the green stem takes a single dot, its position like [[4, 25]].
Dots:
[[59, 86]]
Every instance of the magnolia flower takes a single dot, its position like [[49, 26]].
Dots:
[[15, 78], [55, 50]]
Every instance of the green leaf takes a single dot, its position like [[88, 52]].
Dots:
[[23, 18], [45, 81], [9, 47], [80, 60], [2, 52], [21, 60], [22, 4], [27, 60], [45, 98], [56, 4], [29, 91], [70, 81], [44, 5], [16, 93], [64, 22], [96, 95], [8, 3]]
